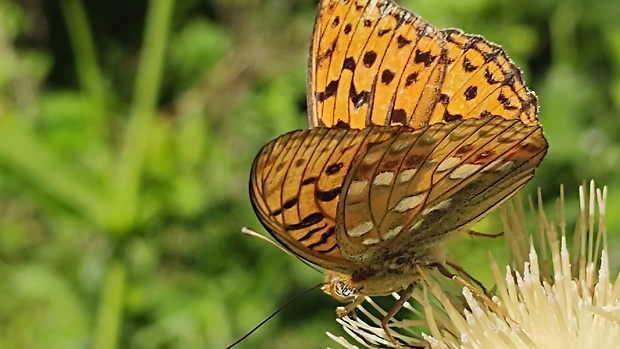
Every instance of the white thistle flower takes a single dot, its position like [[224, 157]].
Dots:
[[538, 303]]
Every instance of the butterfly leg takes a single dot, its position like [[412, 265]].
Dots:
[[475, 233], [349, 309], [404, 296], [459, 271]]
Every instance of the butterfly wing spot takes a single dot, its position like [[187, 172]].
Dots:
[[391, 233], [372, 157], [399, 145], [300, 162], [327, 195], [427, 140], [330, 91], [336, 21], [306, 222], [440, 206], [371, 241], [499, 165], [323, 240], [464, 171], [443, 99], [333, 168], [471, 92], [492, 79], [360, 229], [468, 66], [448, 164], [358, 99], [397, 117], [447, 117], [308, 181], [409, 202], [280, 167], [383, 178], [287, 204], [486, 154], [425, 57], [406, 175], [357, 187], [370, 57], [464, 149], [342, 124], [387, 76], [349, 64], [416, 225], [505, 102], [414, 160], [411, 78]]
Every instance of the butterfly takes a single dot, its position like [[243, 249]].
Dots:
[[416, 134]]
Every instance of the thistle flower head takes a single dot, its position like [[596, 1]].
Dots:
[[544, 298]]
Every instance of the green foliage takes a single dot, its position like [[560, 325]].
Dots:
[[126, 140]]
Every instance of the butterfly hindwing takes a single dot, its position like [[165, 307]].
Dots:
[[422, 185]]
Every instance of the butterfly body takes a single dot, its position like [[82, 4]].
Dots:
[[416, 134]]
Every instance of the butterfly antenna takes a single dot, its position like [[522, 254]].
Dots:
[[252, 233], [273, 314]]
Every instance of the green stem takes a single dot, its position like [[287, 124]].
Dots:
[[126, 181], [22, 152], [109, 314], [84, 52]]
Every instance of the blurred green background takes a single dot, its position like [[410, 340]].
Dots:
[[127, 131]]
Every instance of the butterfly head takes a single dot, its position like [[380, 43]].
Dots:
[[339, 287]]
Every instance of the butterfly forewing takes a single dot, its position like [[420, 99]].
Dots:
[[481, 80], [277, 170], [357, 60], [375, 63], [295, 188]]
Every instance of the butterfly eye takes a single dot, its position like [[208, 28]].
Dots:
[[338, 287]]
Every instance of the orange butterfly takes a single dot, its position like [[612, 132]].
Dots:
[[416, 134]]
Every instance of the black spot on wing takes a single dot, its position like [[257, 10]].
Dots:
[[309, 180], [333, 168], [369, 58], [324, 237], [335, 22], [387, 76], [347, 28], [349, 64], [467, 66], [327, 195], [402, 41], [471, 92], [308, 221], [398, 116], [424, 57], [411, 78], [330, 91], [447, 117]]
